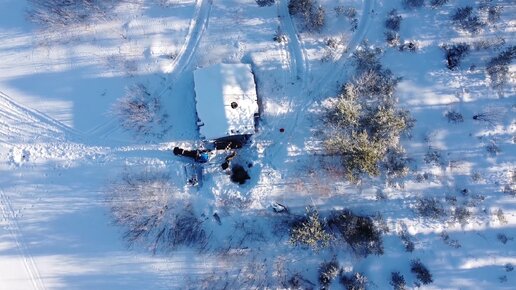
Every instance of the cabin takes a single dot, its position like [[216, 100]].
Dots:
[[226, 103]]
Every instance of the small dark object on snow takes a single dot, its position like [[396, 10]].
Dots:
[[198, 155], [217, 218], [279, 208], [228, 159], [239, 175], [282, 130]]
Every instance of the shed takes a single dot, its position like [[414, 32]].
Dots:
[[226, 101]]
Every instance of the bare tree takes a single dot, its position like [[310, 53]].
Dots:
[[154, 212]]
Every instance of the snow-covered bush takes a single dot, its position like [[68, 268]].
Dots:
[[153, 212], [355, 281], [310, 231], [421, 272], [392, 38], [364, 124], [139, 111], [454, 54], [398, 281], [359, 232], [393, 20], [498, 67], [359, 153], [328, 271]]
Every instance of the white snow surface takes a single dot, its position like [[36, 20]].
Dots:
[[226, 100], [62, 148]]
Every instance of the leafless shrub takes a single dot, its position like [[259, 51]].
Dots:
[[328, 271], [396, 163], [359, 232], [367, 58], [454, 117], [298, 282], [140, 111], [508, 267], [393, 21], [493, 149], [433, 156], [438, 3], [498, 67], [398, 281], [406, 238], [477, 177], [263, 3], [421, 272], [501, 217], [454, 53], [354, 281], [450, 242], [62, 13], [279, 36], [490, 12], [461, 215], [350, 13], [503, 238], [412, 4], [313, 16], [487, 43], [430, 208], [466, 20], [154, 212]]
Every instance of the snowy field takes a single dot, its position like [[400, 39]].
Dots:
[[87, 202]]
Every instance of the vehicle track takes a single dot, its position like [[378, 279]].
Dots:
[[183, 60], [29, 124], [9, 215], [298, 59]]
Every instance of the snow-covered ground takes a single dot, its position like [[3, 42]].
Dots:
[[62, 147]]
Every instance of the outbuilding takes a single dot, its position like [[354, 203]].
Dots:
[[226, 103]]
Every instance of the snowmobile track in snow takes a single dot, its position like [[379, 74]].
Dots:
[[9, 215], [183, 60], [20, 121]]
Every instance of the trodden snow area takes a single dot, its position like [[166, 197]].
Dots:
[[383, 156]]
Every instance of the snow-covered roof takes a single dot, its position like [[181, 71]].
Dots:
[[226, 100]]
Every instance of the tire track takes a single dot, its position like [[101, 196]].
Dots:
[[298, 59], [16, 119], [9, 215], [362, 29], [196, 30]]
